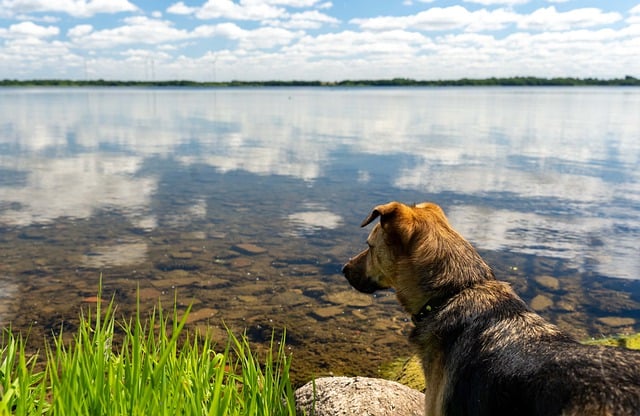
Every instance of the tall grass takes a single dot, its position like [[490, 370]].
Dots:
[[158, 368]]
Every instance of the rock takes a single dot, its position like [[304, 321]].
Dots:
[[173, 280], [248, 248], [195, 235], [359, 314], [565, 306], [218, 235], [240, 262], [289, 298], [201, 314], [149, 293], [327, 312], [210, 282], [181, 255], [541, 302], [548, 282], [611, 301], [314, 291], [615, 321], [92, 299], [349, 298], [347, 396], [249, 299]]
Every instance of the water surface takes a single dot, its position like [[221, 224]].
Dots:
[[246, 202]]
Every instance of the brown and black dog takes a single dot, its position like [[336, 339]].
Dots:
[[484, 352]]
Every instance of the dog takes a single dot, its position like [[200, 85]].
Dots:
[[483, 350]]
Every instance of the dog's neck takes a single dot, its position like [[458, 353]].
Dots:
[[429, 308]]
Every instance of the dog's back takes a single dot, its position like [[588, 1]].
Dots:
[[510, 361]]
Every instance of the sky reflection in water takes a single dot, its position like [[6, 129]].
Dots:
[[540, 171]]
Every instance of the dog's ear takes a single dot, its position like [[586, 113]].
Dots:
[[385, 212], [396, 219]]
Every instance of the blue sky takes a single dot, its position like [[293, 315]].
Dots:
[[221, 40]]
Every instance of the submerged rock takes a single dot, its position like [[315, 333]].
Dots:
[[540, 303], [347, 396], [327, 312], [349, 298], [250, 249], [616, 321], [548, 282]]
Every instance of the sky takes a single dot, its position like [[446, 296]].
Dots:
[[223, 40]]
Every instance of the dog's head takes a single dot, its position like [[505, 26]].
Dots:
[[407, 251]]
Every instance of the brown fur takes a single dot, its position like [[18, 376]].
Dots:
[[484, 352]]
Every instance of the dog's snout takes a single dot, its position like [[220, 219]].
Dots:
[[356, 273]]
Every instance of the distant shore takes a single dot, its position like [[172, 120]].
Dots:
[[627, 81]]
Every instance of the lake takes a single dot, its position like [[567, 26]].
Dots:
[[245, 203]]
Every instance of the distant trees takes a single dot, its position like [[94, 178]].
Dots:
[[395, 82]]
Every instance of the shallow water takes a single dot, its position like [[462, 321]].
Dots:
[[246, 202]]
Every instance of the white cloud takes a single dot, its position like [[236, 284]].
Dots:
[[245, 10], [29, 29], [483, 20], [137, 29], [143, 55], [550, 19], [79, 31], [76, 8], [634, 19], [288, 3], [181, 8], [348, 44], [261, 38], [311, 19], [303, 39], [34, 18], [501, 2], [266, 37], [259, 10], [442, 19], [458, 17], [436, 18]]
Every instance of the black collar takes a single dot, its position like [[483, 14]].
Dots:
[[429, 308]]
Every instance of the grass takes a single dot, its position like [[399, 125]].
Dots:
[[158, 369]]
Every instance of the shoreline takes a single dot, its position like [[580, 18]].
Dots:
[[628, 81]]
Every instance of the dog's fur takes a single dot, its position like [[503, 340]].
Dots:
[[484, 352]]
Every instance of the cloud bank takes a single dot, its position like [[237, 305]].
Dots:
[[312, 39]]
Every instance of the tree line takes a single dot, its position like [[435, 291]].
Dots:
[[628, 81]]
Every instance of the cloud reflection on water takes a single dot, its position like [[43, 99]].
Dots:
[[75, 152], [313, 217]]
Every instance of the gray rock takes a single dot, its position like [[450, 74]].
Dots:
[[358, 396]]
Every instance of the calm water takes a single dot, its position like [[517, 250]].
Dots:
[[245, 202]]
